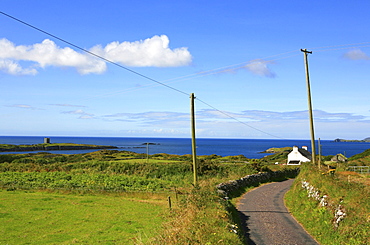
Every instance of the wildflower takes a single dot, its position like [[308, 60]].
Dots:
[[323, 201], [234, 228], [339, 215]]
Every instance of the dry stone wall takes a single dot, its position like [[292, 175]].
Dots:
[[227, 189]]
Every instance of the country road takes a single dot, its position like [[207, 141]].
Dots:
[[266, 220]]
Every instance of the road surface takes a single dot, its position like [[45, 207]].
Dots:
[[267, 221]]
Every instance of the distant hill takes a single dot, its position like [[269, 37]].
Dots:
[[361, 159], [343, 140]]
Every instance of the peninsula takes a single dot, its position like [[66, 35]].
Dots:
[[343, 140], [52, 147]]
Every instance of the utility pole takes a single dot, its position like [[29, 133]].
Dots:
[[320, 153], [313, 148], [147, 152], [193, 143]]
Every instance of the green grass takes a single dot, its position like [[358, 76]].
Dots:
[[197, 215], [200, 218], [88, 182], [51, 218], [353, 196], [150, 161]]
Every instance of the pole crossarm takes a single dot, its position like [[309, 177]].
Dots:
[[305, 51]]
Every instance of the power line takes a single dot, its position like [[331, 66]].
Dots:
[[240, 65], [341, 47], [234, 118], [202, 74]]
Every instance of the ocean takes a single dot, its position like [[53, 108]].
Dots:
[[251, 148]]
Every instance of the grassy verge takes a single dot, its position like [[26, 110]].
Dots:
[[51, 218], [351, 197], [199, 218]]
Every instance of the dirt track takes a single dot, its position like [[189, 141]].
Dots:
[[267, 220]]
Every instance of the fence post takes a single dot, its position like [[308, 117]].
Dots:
[[169, 202]]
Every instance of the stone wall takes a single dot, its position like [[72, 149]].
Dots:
[[230, 188]]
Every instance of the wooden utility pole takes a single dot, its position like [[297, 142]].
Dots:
[[147, 152], [193, 143], [319, 143], [313, 148]]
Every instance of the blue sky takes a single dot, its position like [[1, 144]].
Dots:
[[241, 59]]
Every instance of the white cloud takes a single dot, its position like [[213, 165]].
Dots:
[[68, 105], [153, 51], [259, 67], [47, 53], [356, 54], [152, 117], [23, 106], [82, 113], [13, 68]]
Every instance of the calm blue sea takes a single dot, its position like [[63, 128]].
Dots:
[[250, 148]]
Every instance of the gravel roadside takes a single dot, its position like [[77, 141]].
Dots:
[[266, 220]]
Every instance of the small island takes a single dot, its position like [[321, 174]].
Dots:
[[52, 147], [277, 150], [343, 140]]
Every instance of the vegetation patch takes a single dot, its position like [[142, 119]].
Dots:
[[306, 200], [28, 217], [361, 159], [87, 182], [106, 179], [196, 214]]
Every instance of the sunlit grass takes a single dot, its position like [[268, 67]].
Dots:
[[197, 216], [51, 218]]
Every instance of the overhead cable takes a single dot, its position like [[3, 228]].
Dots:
[[205, 73], [234, 118]]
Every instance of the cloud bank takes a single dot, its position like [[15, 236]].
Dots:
[[151, 118], [154, 52], [256, 123]]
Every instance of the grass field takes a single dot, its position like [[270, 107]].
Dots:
[[28, 217], [41, 200]]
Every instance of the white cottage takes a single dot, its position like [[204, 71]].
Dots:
[[299, 155]]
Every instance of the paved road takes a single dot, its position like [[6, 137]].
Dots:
[[267, 220]]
